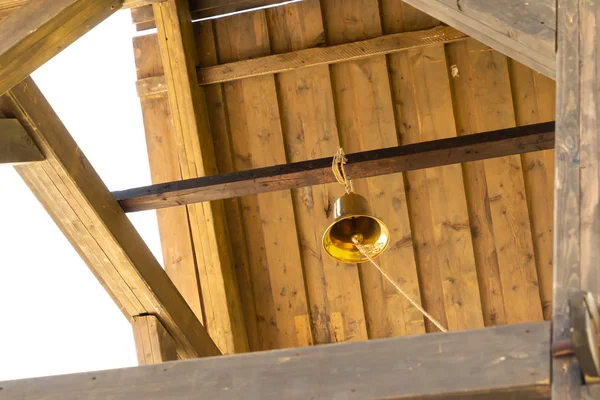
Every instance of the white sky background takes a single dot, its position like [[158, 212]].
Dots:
[[55, 317]]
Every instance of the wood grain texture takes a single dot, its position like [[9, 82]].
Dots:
[[153, 343], [577, 175], [360, 165], [524, 31], [310, 131], [86, 212], [16, 147], [307, 57], [173, 223], [496, 192], [39, 30], [436, 198], [215, 102], [312, 56], [534, 97], [366, 121], [257, 141], [222, 305], [506, 362]]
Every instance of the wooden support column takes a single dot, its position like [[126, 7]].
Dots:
[[577, 180], [39, 30], [222, 306], [152, 341], [89, 216], [16, 147]]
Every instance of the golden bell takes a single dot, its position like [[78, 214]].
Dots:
[[353, 221]]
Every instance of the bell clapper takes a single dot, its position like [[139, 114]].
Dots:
[[357, 238]]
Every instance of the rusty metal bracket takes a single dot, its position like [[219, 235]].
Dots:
[[585, 335], [584, 320]]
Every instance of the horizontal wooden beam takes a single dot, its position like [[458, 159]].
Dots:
[[391, 160], [16, 147], [143, 18], [504, 362], [386, 44], [83, 208], [522, 30], [39, 30]]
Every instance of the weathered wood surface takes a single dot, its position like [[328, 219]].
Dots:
[[257, 140], [311, 57], [16, 147], [360, 165], [195, 150], [309, 132], [39, 30], [577, 179], [522, 30], [505, 362], [153, 343], [436, 200], [81, 205]]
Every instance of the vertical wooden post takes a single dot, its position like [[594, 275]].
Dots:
[[577, 179], [223, 313], [152, 341]]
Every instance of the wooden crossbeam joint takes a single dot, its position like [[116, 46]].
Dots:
[[16, 147]]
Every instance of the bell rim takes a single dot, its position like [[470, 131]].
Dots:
[[363, 258]]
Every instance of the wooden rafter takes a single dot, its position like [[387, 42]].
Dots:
[[360, 165], [81, 205], [505, 362], [39, 30], [307, 58], [522, 30], [208, 223]]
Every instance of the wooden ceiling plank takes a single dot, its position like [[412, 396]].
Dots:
[[222, 306], [16, 147], [215, 102], [310, 131], [534, 98], [504, 362], [482, 92], [576, 185], [366, 121], [436, 196], [257, 141], [69, 188], [524, 31], [173, 223], [39, 30], [311, 57], [152, 341]]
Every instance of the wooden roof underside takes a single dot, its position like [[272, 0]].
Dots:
[[473, 242]]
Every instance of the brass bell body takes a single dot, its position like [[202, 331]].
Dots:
[[352, 220]]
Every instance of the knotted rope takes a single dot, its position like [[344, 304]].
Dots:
[[339, 160]]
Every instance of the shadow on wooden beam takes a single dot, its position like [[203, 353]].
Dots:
[[365, 164]]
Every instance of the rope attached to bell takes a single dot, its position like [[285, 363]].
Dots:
[[339, 160]]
